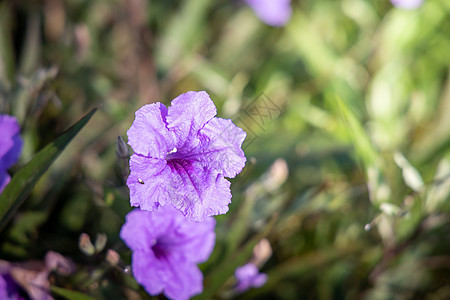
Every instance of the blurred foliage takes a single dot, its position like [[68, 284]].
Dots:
[[353, 95]]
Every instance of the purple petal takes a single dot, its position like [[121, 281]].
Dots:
[[39, 286], [165, 248], [148, 135], [186, 279], [191, 174], [248, 276], [188, 113], [407, 4], [56, 262], [11, 142], [4, 179], [202, 192], [222, 150], [177, 278], [142, 228], [151, 273], [9, 289], [272, 12], [259, 280], [3, 287], [149, 182], [193, 240]]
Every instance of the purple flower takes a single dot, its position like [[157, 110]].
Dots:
[[9, 288], [272, 12], [166, 248], [182, 154], [407, 4], [248, 276], [29, 280], [10, 147]]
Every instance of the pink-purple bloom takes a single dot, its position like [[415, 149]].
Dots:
[[248, 276], [10, 147], [166, 248], [272, 12], [182, 154], [407, 4], [29, 280]]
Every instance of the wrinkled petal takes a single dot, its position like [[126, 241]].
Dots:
[[202, 192], [188, 113], [272, 12], [148, 135], [190, 175], [222, 147], [149, 182]]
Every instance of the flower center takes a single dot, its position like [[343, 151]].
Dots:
[[173, 154], [159, 250]]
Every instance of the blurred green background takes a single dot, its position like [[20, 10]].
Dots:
[[348, 169]]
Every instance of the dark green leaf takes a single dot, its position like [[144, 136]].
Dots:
[[26, 178]]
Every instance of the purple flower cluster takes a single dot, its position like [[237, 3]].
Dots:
[[166, 248], [182, 154], [272, 12], [10, 147]]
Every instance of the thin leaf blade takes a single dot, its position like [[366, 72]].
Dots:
[[26, 178]]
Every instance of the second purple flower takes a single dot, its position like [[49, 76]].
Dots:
[[166, 250], [182, 154]]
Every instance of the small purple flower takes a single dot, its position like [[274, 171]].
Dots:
[[248, 276], [407, 4], [10, 147], [272, 12], [166, 248], [182, 154]]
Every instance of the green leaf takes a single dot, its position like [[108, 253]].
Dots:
[[69, 294], [26, 178], [362, 143], [306, 266]]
